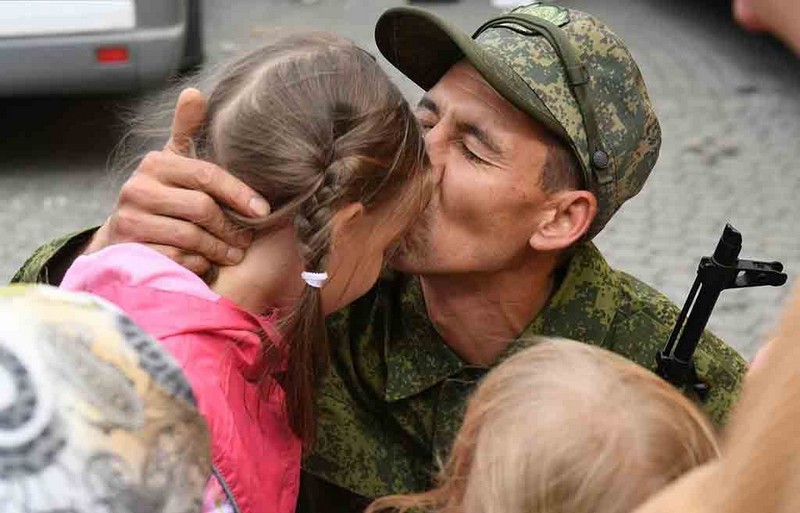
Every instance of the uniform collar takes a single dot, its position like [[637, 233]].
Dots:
[[582, 308], [416, 355]]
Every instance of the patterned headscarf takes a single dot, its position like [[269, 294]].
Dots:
[[94, 415]]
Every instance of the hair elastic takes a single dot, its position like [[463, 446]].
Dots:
[[315, 280]]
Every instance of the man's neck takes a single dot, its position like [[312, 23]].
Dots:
[[478, 316]]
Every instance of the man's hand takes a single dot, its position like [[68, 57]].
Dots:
[[171, 201]]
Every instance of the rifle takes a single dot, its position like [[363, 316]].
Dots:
[[716, 273]]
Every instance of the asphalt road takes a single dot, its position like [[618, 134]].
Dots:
[[728, 103]]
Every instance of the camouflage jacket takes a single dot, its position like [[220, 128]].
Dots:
[[394, 397], [395, 394]]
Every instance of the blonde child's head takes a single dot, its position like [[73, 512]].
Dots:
[[565, 427]]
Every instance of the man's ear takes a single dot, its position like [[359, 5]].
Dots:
[[566, 220]]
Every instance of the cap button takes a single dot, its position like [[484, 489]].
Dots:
[[600, 159]]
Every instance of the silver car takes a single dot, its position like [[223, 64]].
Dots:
[[89, 46]]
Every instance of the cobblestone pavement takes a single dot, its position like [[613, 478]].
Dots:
[[728, 104]]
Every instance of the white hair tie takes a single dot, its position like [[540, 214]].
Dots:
[[315, 280]]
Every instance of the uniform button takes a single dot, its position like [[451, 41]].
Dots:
[[600, 159]]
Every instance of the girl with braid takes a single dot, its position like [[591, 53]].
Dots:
[[315, 126]]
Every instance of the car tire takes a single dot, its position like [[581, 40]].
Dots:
[[193, 54]]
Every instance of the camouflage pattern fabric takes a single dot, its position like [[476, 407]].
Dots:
[[526, 70], [394, 398], [94, 415], [50, 261]]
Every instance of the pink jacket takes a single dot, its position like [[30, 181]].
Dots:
[[216, 343]]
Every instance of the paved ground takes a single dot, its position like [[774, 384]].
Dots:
[[728, 104]]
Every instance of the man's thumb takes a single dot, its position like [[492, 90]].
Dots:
[[190, 115]]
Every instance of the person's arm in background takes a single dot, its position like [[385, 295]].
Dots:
[[760, 465], [780, 17], [761, 459], [171, 202]]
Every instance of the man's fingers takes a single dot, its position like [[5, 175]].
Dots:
[[228, 190], [189, 205], [191, 261], [199, 175], [190, 115], [174, 232]]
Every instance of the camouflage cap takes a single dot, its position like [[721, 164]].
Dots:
[[563, 67]]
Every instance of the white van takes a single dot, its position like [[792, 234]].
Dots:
[[88, 46]]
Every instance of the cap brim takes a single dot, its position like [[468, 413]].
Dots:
[[424, 47]]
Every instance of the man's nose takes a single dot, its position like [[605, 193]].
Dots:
[[435, 145]]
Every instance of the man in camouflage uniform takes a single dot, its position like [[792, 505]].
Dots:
[[541, 127]]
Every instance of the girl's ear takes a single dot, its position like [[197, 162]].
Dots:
[[567, 220], [345, 218]]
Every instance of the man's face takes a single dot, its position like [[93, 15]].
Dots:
[[490, 156]]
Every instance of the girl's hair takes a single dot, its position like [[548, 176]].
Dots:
[[565, 427], [311, 122]]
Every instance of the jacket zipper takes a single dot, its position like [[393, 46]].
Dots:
[[226, 489]]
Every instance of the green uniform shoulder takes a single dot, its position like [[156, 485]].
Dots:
[[598, 305], [48, 263], [651, 315]]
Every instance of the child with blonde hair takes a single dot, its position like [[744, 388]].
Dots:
[[565, 427]]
